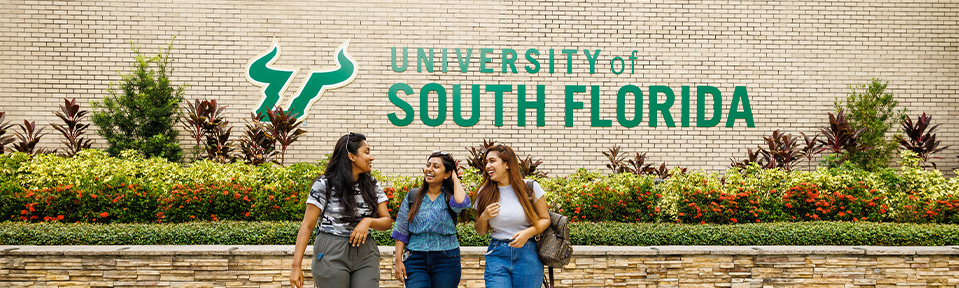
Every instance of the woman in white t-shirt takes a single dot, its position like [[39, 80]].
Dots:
[[512, 215]]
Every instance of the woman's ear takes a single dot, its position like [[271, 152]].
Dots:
[[352, 157], [448, 174]]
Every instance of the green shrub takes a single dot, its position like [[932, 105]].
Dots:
[[872, 108], [585, 233], [141, 111]]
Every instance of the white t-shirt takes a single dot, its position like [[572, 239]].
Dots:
[[511, 218]]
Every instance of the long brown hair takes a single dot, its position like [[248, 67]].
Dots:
[[489, 193], [449, 166]]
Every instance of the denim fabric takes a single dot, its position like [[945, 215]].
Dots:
[[433, 269], [513, 267]]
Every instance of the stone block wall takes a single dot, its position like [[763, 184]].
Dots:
[[592, 266]]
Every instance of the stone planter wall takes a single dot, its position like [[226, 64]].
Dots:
[[592, 266]]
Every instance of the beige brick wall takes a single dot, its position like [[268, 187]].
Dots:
[[664, 266], [795, 57]]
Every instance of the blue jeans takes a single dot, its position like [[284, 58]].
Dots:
[[433, 269], [513, 267]]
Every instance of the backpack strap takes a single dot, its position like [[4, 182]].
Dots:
[[409, 202], [319, 221], [530, 192]]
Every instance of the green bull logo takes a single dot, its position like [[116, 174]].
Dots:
[[275, 81]]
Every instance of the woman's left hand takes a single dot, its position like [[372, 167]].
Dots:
[[358, 237], [520, 238]]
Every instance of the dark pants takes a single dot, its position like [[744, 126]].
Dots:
[[345, 266], [433, 269]]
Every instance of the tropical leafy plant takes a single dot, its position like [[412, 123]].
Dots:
[[616, 159], [638, 165], [475, 159], [4, 137], [282, 128], [71, 115], [811, 146], [142, 109], [217, 132], [782, 150], [921, 140], [193, 121], [28, 136], [528, 166], [841, 139], [751, 158], [255, 146]]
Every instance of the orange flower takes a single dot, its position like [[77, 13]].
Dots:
[[733, 220], [104, 214]]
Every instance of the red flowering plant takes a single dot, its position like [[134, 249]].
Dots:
[[858, 203], [208, 201], [719, 207], [279, 203], [916, 209], [101, 202], [398, 187], [621, 197]]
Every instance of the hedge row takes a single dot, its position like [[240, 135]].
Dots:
[[612, 234]]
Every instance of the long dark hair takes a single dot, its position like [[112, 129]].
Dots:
[[339, 177], [449, 165], [489, 193]]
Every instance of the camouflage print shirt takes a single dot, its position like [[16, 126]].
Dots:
[[332, 222]]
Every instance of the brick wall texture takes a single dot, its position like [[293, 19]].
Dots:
[[269, 266], [794, 57]]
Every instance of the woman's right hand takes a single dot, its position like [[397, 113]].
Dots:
[[296, 277], [492, 210], [399, 270]]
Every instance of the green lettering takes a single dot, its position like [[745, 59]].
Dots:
[[406, 107], [484, 60], [458, 107], [509, 59], [663, 108], [498, 91], [701, 120], [464, 61], [637, 106], [393, 58], [592, 60], [734, 113], [684, 110], [440, 104], [569, 59], [571, 104], [539, 105], [531, 59], [424, 60], [594, 120]]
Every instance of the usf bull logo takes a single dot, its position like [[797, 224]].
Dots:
[[275, 81]]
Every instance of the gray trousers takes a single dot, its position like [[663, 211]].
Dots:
[[344, 266]]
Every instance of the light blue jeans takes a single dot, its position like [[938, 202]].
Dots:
[[513, 267]]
